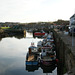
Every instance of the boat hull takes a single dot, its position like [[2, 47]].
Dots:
[[31, 62], [48, 63], [31, 68]]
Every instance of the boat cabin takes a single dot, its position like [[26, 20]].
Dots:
[[32, 48], [46, 50]]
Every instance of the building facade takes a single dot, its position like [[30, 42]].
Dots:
[[72, 20]]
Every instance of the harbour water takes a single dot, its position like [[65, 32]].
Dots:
[[13, 54]]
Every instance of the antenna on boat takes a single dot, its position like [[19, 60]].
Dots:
[[32, 43]]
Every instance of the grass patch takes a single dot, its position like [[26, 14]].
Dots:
[[5, 27]]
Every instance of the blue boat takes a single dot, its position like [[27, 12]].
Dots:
[[31, 62], [32, 55]]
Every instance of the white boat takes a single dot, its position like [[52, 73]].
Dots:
[[39, 45]]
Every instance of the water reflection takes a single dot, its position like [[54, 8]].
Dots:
[[13, 53], [0, 39], [48, 69], [32, 68]]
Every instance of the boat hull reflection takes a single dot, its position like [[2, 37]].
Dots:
[[31, 68], [48, 69]]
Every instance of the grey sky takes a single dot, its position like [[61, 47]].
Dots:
[[35, 10]]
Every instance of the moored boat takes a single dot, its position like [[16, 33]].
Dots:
[[48, 57], [39, 33], [44, 54], [32, 57], [48, 53]]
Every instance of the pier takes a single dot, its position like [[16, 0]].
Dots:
[[65, 52]]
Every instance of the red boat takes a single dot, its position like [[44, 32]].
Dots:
[[39, 33]]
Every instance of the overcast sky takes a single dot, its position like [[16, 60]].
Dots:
[[35, 10]]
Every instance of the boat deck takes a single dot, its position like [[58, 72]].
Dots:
[[31, 58], [47, 58]]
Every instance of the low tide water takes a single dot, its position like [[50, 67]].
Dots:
[[13, 52]]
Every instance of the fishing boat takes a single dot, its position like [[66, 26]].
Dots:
[[39, 45], [32, 57], [39, 33], [48, 56]]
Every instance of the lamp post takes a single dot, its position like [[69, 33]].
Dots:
[[73, 32], [72, 36]]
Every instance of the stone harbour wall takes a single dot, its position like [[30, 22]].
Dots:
[[65, 53]]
